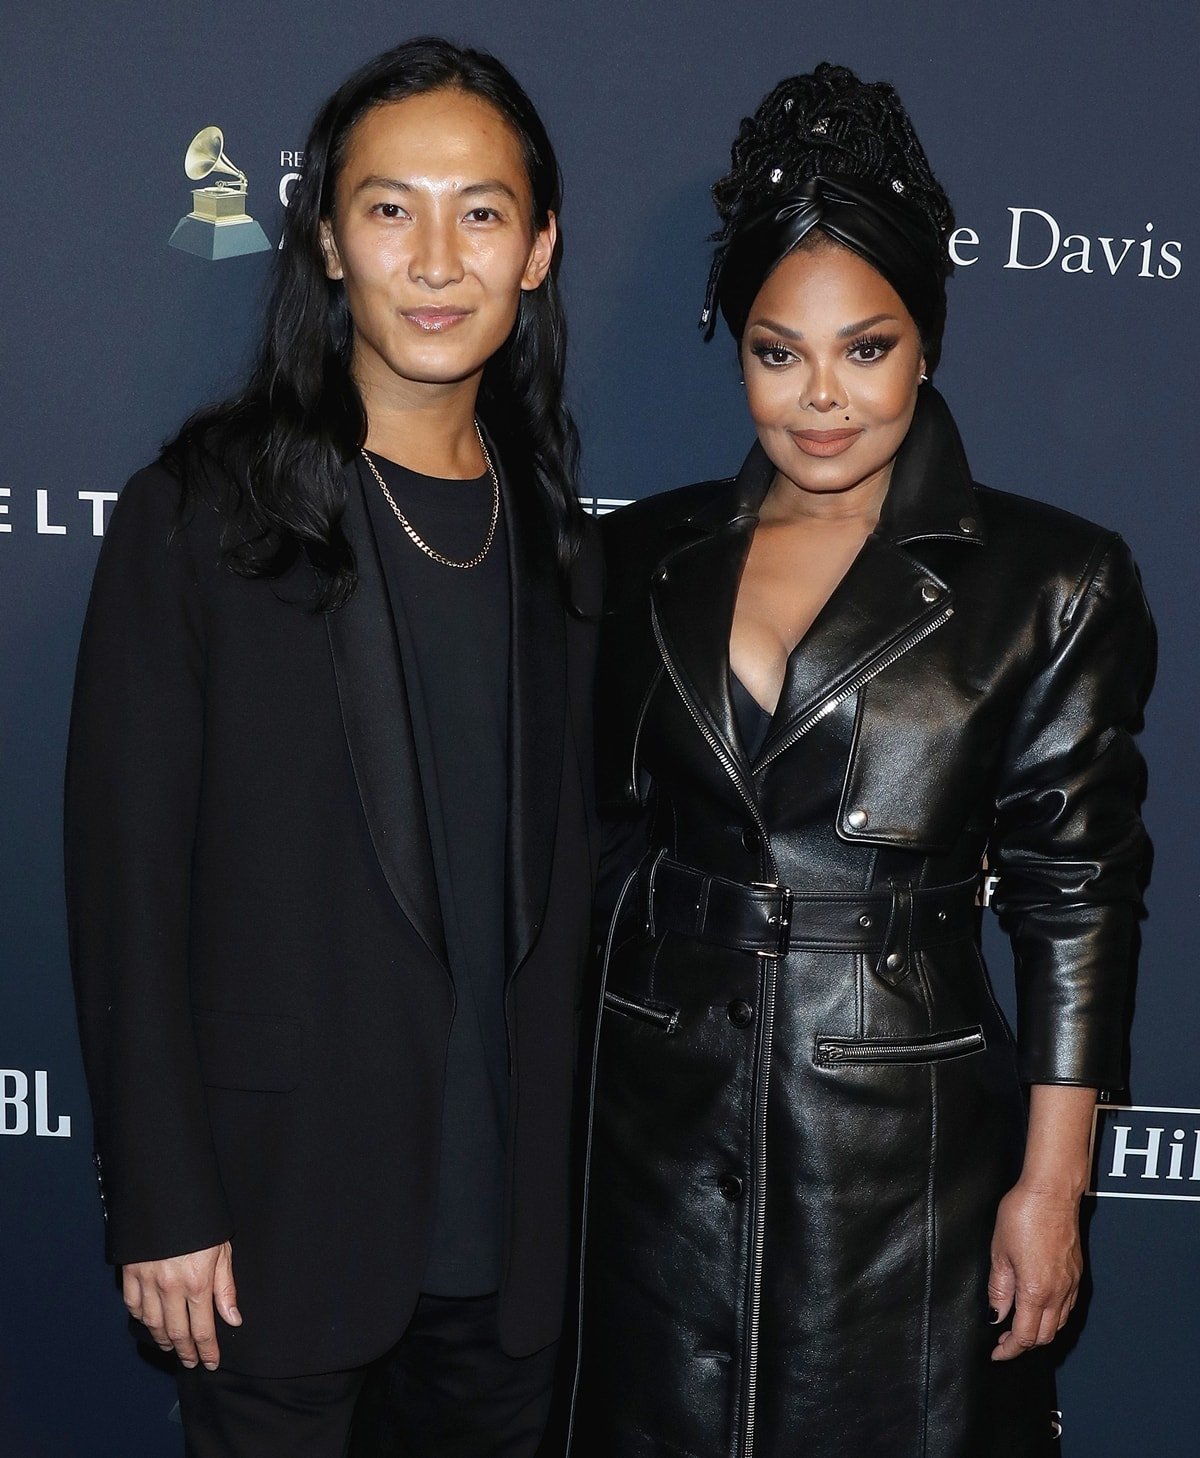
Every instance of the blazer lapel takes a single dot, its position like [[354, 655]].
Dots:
[[378, 725], [536, 711]]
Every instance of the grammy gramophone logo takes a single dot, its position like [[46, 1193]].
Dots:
[[218, 225]]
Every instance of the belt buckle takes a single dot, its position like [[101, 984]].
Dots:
[[780, 919]]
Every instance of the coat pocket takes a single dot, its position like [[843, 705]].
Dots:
[[929, 1048], [658, 1015], [244, 1051]]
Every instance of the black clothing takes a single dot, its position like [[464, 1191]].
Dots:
[[446, 1390], [753, 721], [226, 1414], [257, 940], [807, 1102], [452, 626], [870, 218]]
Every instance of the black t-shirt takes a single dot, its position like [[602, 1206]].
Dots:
[[453, 627]]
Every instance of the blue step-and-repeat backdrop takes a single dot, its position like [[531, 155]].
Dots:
[[1068, 137]]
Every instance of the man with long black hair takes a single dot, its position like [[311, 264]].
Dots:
[[329, 834]]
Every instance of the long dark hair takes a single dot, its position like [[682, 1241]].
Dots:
[[282, 443]]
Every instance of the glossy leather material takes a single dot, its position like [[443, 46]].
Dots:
[[894, 237], [789, 1212]]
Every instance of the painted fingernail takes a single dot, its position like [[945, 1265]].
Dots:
[[993, 1315]]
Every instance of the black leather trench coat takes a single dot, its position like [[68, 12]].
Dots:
[[797, 1146]]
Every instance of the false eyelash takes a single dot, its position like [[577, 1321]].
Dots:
[[770, 346], [882, 342]]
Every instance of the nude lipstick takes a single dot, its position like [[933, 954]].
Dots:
[[824, 442]]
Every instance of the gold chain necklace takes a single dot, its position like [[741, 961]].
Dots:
[[415, 536]]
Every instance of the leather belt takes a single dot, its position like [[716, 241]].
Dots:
[[773, 920]]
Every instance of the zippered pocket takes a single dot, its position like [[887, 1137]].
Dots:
[[656, 1014], [931, 1048]]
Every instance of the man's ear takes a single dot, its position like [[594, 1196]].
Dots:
[[541, 255], [329, 249]]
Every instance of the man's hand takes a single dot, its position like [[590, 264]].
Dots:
[[174, 1301]]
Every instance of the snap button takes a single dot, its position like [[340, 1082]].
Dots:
[[730, 1186], [967, 524], [740, 1013], [857, 819], [864, 920], [930, 591], [751, 839], [941, 916], [894, 961]]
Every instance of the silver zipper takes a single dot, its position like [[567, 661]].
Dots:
[[759, 1210], [852, 685], [665, 1018], [914, 1050]]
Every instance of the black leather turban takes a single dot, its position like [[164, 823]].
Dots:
[[893, 236]]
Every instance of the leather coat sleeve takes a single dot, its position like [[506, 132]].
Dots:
[[132, 790], [1068, 843]]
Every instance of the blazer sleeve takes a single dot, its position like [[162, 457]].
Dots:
[[132, 791], [1068, 843]]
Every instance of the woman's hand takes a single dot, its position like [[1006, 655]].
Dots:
[[1037, 1258], [1037, 1261]]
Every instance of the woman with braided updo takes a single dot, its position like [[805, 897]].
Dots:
[[832, 1198]]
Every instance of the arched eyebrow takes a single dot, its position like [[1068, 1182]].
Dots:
[[862, 324], [844, 333]]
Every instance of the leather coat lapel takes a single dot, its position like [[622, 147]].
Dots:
[[536, 711], [692, 600], [692, 596], [379, 731], [888, 600], [931, 495], [883, 605]]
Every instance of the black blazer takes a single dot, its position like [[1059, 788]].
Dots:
[[262, 983]]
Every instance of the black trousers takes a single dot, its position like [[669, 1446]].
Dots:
[[445, 1390]]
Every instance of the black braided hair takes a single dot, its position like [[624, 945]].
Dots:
[[829, 123]]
